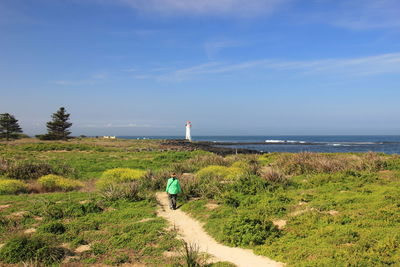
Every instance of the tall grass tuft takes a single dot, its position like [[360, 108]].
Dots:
[[273, 175], [311, 163], [191, 254], [115, 191]]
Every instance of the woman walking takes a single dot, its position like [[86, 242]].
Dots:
[[173, 189]]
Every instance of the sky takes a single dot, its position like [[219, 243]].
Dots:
[[232, 67]]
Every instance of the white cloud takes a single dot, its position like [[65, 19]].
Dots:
[[212, 48], [237, 8], [367, 14], [371, 65], [72, 82], [121, 125]]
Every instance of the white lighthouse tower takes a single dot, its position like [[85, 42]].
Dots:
[[188, 135]]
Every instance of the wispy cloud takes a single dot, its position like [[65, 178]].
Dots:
[[372, 65], [236, 8], [121, 125], [212, 48], [92, 79], [72, 82], [365, 14]]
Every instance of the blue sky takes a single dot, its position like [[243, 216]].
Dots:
[[237, 67]]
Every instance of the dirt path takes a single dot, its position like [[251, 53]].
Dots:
[[192, 232]]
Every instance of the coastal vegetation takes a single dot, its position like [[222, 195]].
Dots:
[[87, 201]]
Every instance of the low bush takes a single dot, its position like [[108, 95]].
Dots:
[[53, 182], [220, 172], [114, 191], [311, 163], [251, 166], [251, 185], [117, 176], [155, 180], [31, 249], [11, 186], [190, 185], [52, 210], [246, 230], [30, 170], [197, 162], [53, 228], [273, 175]]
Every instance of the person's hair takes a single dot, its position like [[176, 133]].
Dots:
[[173, 174]]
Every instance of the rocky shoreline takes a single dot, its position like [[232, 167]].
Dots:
[[206, 146]]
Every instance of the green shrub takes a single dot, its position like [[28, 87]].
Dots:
[[99, 248], [221, 172], [245, 230], [119, 175], [53, 182], [53, 228], [251, 185], [31, 249], [53, 210], [197, 162], [10, 186]]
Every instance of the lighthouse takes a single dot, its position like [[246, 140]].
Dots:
[[188, 126]]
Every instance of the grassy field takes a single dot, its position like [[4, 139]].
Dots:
[[302, 209]]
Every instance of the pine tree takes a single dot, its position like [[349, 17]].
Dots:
[[58, 127], [9, 127]]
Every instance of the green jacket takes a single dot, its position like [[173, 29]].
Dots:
[[173, 186]]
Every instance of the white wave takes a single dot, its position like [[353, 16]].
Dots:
[[285, 141]]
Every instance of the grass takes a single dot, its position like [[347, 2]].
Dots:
[[89, 158], [333, 218], [336, 209], [116, 231]]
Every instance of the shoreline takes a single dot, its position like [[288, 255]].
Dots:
[[207, 146]]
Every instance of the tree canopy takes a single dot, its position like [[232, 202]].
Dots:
[[9, 127], [58, 127]]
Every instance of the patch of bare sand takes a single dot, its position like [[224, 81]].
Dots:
[[280, 224], [211, 206], [19, 213], [30, 231], [82, 248], [333, 212], [170, 254], [2, 207], [145, 220], [192, 232]]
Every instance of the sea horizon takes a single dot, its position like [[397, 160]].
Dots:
[[389, 144]]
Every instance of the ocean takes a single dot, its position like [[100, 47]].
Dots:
[[389, 144]]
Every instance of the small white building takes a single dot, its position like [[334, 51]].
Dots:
[[109, 137]]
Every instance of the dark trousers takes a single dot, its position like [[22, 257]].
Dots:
[[172, 201]]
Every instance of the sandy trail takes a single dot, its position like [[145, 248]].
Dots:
[[192, 232]]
